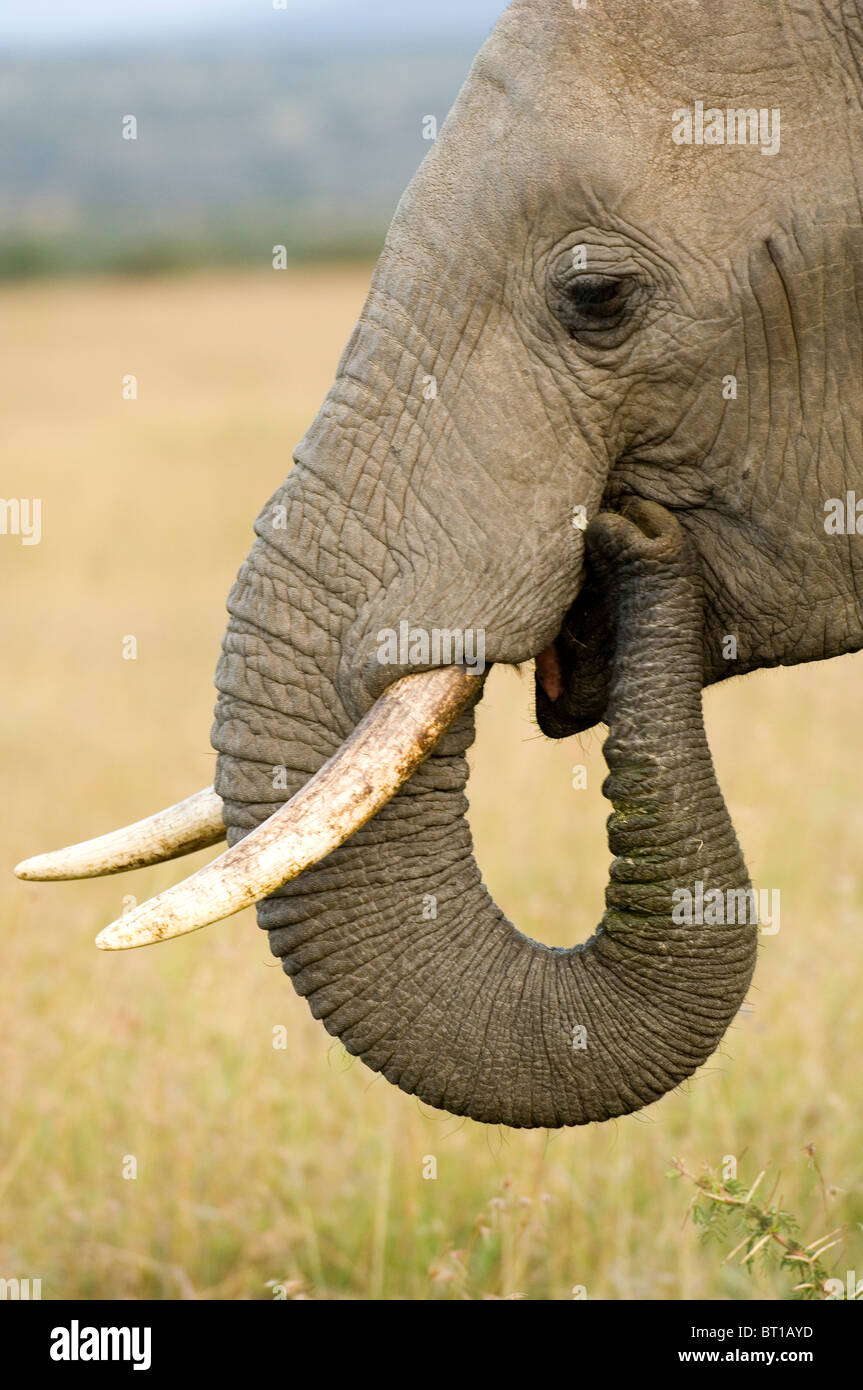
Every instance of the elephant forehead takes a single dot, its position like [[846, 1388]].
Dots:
[[571, 117], [625, 64], [694, 38]]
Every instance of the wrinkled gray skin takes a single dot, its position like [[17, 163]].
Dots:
[[457, 513]]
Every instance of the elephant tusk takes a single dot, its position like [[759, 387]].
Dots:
[[195, 823], [382, 753]]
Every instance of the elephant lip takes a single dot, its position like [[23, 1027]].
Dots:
[[549, 673]]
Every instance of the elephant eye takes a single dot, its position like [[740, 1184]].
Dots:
[[598, 297], [593, 308]]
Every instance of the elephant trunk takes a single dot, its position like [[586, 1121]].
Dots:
[[404, 956], [389, 932]]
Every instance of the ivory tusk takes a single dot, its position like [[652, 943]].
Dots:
[[195, 823], [381, 754]]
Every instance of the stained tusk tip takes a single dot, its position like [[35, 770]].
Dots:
[[106, 940], [115, 938], [190, 825], [31, 870]]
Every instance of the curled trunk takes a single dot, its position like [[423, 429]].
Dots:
[[404, 956]]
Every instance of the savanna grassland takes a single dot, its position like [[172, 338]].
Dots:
[[297, 1165]]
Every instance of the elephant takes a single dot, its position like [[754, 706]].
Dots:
[[602, 392]]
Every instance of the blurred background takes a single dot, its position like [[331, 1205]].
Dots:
[[301, 125], [154, 1142]]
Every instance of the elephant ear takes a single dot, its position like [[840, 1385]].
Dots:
[[574, 673]]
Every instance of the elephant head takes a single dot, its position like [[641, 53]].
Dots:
[[599, 395]]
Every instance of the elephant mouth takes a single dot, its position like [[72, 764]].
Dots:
[[549, 673], [573, 673]]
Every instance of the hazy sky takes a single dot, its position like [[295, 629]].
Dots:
[[47, 23]]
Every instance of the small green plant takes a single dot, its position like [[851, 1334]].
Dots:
[[725, 1209]]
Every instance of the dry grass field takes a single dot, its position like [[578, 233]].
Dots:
[[299, 1166]]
